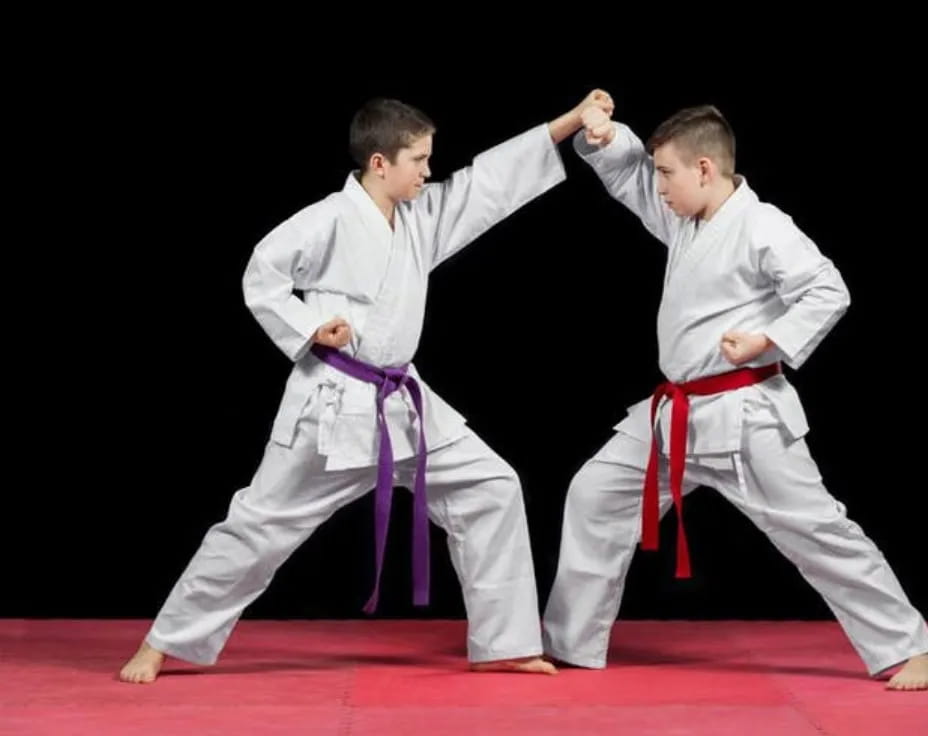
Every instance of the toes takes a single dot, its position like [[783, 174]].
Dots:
[[906, 685]]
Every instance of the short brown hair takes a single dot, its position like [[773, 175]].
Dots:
[[385, 126], [698, 131]]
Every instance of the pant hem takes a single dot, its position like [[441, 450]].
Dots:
[[593, 663], [178, 652]]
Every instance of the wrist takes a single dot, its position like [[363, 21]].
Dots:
[[610, 136], [765, 344], [573, 119]]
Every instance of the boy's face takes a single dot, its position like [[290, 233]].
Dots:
[[679, 182], [405, 178]]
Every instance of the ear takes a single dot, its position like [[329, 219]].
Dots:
[[706, 170], [376, 164]]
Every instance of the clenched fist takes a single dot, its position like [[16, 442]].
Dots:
[[740, 347], [599, 99], [570, 122], [335, 333], [597, 126]]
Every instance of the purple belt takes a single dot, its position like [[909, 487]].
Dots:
[[389, 380]]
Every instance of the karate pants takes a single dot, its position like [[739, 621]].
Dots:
[[775, 482], [473, 495]]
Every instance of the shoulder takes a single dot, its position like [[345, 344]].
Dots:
[[327, 207], [767, 225], [317, 217]]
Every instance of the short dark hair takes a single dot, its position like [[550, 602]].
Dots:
[[698, 131], [384, 125]]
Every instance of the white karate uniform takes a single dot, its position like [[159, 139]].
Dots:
[[748, 268], [322, 454]]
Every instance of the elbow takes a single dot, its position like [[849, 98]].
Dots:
[[251, 295], [251, 278], [844, 297], [838, 303], [840, 295]]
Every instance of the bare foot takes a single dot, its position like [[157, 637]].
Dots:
[[523, 664], [144, 665], [913, 676]]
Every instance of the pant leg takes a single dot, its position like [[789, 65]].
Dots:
[[476, 497], [601, 527], [288, 498], [782, 492]]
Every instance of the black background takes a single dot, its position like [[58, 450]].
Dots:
[[146, 390]]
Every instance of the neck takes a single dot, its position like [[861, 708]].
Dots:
[[719, 196], [374, 187]]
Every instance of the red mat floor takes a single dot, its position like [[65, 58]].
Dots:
[[410, 677]]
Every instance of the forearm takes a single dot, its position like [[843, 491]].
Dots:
[[497, 183], [566, 125], [278, 265], [289, 322], [814, 293]]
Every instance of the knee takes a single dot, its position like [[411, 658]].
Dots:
[[508, 476], [509, 485], [825, 516], [583, 494], [499, 488]]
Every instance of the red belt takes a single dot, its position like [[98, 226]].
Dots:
[[679, 419]]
